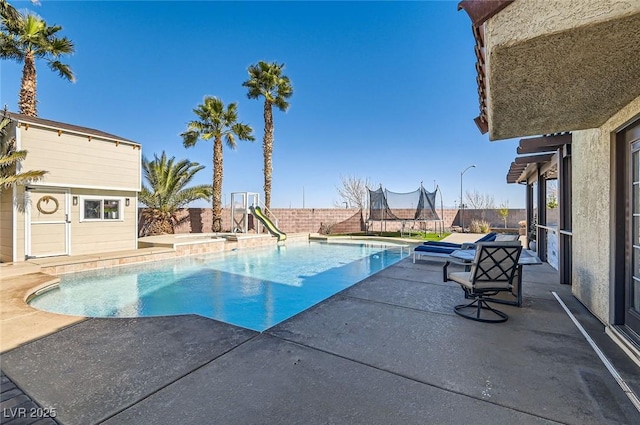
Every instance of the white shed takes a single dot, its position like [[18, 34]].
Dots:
[[87, 202]]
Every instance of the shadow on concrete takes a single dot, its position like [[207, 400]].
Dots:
[[388, 350]]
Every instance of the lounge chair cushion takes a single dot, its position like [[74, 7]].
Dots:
[[506, 237], [440, 243], [436, 249], [489, 237]]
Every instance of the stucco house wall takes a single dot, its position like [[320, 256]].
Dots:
[[592, 214], [526, 20]]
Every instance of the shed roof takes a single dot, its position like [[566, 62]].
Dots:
[[64, 127]]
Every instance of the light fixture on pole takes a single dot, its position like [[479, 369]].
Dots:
[[461, 202]]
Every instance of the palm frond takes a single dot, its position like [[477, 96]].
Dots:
[[189, 138], [9, 48], [8, 12], [281, 104], [244, 132], [61, 46], [63, 70], [6, 180], [145, 197], [194, 193], [12, 158], [167, 180]]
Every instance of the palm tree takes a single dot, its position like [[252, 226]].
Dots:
[[166, 192], [266, 80], [215, 122], [10, 158], [26, 39]]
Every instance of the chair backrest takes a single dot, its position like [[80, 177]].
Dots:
[[495, 264]]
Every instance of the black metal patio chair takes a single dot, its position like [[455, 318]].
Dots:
[[494, 270]]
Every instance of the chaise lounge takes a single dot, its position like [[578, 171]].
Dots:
[[439, 249], [489, 237]]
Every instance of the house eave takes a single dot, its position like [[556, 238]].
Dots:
[[573, 80], [544, 69]]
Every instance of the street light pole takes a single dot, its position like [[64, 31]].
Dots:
[[461, 203]]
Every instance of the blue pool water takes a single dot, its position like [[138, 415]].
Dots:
[[251, 288]]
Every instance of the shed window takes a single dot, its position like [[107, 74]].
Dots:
[[101, 209]]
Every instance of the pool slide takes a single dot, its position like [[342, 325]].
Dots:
[[257, 212]]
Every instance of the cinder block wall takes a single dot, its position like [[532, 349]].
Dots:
[[491, 216], [310, 220]]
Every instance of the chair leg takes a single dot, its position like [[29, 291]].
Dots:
[[445, 266], [479, 305]]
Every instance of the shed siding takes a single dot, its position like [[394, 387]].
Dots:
[[74, 161], [6, 225], [20, 226], [90, 237]]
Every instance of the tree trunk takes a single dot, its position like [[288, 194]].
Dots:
[[267, 148], [156, 223], [216, 224], [28, 87], [160, 226]]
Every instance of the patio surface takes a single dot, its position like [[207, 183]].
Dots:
[[388, 350]]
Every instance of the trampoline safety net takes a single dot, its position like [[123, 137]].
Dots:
[[417, 205]]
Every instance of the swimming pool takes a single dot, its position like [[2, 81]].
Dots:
[[251, 288]]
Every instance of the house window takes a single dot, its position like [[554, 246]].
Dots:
[[96, 209]]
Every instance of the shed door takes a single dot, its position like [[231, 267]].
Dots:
[[48, 223]]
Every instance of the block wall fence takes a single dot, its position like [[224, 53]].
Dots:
[[310, 220]]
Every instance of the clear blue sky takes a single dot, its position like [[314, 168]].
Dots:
[[383, 91]]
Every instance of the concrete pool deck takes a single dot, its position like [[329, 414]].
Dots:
[[388, 350]]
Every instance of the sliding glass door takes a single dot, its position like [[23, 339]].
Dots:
[[632, 289]]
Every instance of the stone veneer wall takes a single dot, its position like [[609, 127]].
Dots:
[[309, 220]]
